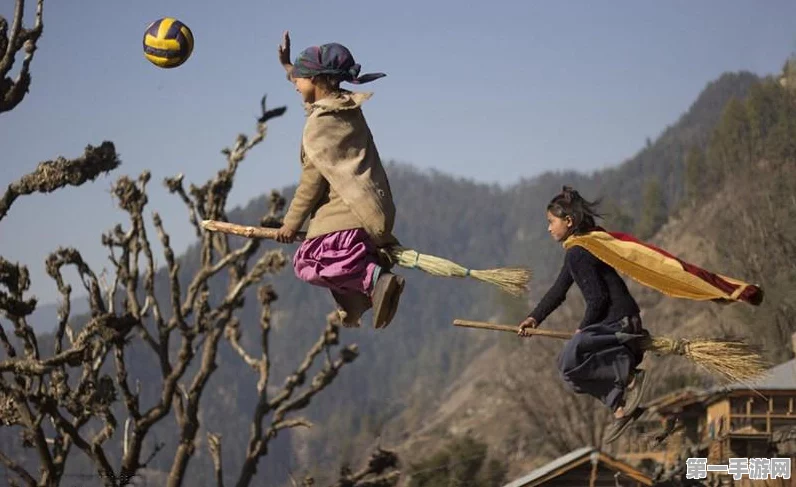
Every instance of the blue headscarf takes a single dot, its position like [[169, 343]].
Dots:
[[331, 59]]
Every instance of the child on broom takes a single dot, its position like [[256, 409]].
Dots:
[[602, 358], [343, 190]]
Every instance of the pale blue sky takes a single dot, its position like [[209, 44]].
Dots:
[[492, 91]]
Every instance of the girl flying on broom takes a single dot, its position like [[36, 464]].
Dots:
[[343, 190], [602, 358]]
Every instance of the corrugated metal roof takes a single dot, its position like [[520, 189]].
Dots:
[[549, 467]]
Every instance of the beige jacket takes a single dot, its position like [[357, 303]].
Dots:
[[343, 184]]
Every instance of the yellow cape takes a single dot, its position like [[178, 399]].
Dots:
[[656, 268]]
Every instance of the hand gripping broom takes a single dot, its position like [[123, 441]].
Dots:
[[512, 280]]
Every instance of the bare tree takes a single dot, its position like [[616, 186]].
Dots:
[[380, 471], [58, 399], [19, 39], [55, 397], [561, 420]]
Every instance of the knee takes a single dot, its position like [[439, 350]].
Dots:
[[297, 266], [573, 347], [567, 362], [303, 272]]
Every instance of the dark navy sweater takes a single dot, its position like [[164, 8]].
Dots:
[[606, 295]]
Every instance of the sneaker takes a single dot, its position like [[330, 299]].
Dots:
[[620, 425], [634, 394], [386, 294]]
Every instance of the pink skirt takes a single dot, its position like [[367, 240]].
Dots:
[[341, 261]]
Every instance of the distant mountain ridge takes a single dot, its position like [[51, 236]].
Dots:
[[399, 379]]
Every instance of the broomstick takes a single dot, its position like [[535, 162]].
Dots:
[[733, 360], [512, 280]]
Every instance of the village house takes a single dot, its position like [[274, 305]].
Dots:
[[741, 420], [585, 467]]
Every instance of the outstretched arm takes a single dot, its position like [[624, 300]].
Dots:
[[284, 55], [551, 300], [592, 285], [312, 186]]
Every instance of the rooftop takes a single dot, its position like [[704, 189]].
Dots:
[[573, 459]]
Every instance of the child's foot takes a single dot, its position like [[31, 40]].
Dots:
[[635, 391], [622, 420], [394, 304], [386, 294]]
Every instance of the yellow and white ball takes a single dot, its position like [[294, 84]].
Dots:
[[168, 43]]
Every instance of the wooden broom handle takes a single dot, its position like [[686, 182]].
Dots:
[[565, 335], [244, 230]]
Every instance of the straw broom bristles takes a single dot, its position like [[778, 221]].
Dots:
[[733, 360], [512, 280]]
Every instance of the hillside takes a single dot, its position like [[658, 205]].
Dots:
[[421, 373], [510, 397]]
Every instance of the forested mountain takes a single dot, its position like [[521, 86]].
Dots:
[[725, 160]]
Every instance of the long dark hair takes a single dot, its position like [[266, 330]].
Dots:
[[569, 203]]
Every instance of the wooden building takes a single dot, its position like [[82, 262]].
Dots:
[[753, 420], [585, 467]]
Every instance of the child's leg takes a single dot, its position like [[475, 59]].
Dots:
[[343, 261], [347, 263], [595, 362], [350, 307], [599, 361]]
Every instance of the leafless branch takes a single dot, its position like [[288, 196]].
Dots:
[[130, 399], [10, 351], [158, 448], [34, 433], [93, 394], [211, 199], [189, 422], [74, 357], [72, 404], [214, 445], [380, 471], [558, 429], [233, 335], [16, 279], [52, 175], [18, 469], [177, 319], [13, 91], [92, 450], [174, 184], [55, 261], [284, 403], [266, 296]]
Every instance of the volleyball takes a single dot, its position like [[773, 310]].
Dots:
[[168, 43]]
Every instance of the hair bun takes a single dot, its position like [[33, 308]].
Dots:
[[569, 193]]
